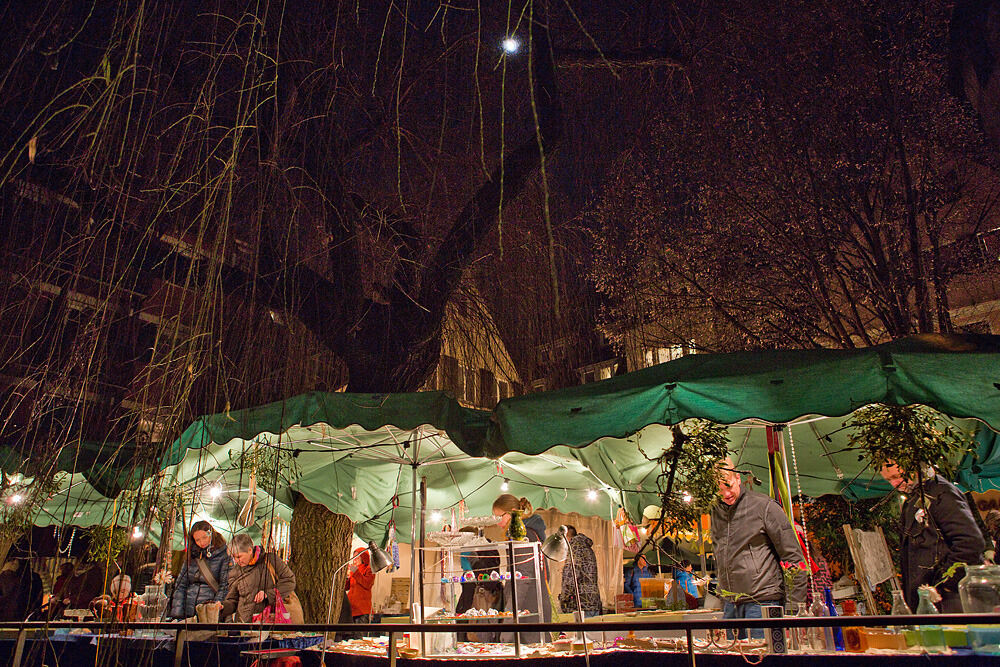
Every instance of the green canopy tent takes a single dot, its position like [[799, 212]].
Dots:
[[366, 456], [811, 389]]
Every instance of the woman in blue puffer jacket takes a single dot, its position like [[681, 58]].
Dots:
[[204, 577]]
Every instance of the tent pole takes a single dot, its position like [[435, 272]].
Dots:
[[420, 571], [413, 538]]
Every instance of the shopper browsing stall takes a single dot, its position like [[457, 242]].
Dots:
[[752, 537], [253, 581], [937, 530], [638, 570], [585, 579], [204, 577]]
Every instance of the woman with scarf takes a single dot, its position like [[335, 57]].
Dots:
[[254, 580], [204, 577]]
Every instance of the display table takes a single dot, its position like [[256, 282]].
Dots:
[[90, 649], [311, 658]]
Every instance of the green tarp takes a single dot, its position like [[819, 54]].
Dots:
[[355, 453], [957, 375]]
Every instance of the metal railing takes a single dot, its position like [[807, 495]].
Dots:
[[396, 630]]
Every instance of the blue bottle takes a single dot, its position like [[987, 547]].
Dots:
[[838, 633]]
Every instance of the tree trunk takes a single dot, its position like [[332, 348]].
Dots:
[[321, 542]]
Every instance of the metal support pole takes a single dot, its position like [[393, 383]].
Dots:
[[513, 598], [179, 648], [420, 570], [22, 634], [690, 638], [392, 650]]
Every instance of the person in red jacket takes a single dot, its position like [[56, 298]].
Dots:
[[360, 582]]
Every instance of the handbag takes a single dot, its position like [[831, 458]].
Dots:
[[291, 603]]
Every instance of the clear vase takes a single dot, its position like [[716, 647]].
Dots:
[[820, 639], [900, 608], [980, 589], [924, 604], [980, 593], [154, 602]]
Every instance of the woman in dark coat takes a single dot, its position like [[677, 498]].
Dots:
[[204, 577]]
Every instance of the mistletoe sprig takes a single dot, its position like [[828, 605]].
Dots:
[[913, 436], [699, 445]]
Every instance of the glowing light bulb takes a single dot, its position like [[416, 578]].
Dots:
[[687, 497], [642, 531], [15, 499], [505, 486], [435, 516], [510, 45], [137, 533], [591, 495], [214, 491]]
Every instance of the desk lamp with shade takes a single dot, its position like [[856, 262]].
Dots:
[[380, 560]]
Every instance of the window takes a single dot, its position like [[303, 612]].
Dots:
[[450, 379], [470, 386], [503, 389], [660, 355], [487, 389]]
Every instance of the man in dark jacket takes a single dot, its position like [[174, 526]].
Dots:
[[937, 530], [752, 536]]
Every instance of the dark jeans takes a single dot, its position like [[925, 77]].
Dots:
[[744, 610]]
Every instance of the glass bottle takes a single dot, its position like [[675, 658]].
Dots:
[[820, 639], [802, 634], [900, 608], [931, 636], [924, 604], [838, 635]]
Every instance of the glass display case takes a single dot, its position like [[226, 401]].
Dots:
[[475, 582]]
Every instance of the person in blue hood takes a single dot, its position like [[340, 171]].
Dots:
[[639, 570], [527, 589]]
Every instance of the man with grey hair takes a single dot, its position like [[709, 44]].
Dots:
[[752, 537]]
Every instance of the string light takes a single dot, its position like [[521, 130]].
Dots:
[[510, 45], [505, 486], [137, 533]]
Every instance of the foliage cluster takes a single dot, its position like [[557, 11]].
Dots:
[[913, 436], [698, 447]]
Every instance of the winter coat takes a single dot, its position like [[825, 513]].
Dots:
[[752, 537], [191, 589], [934, 539], [586, 577], [360, 583], [632, 585], [245, 582]]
